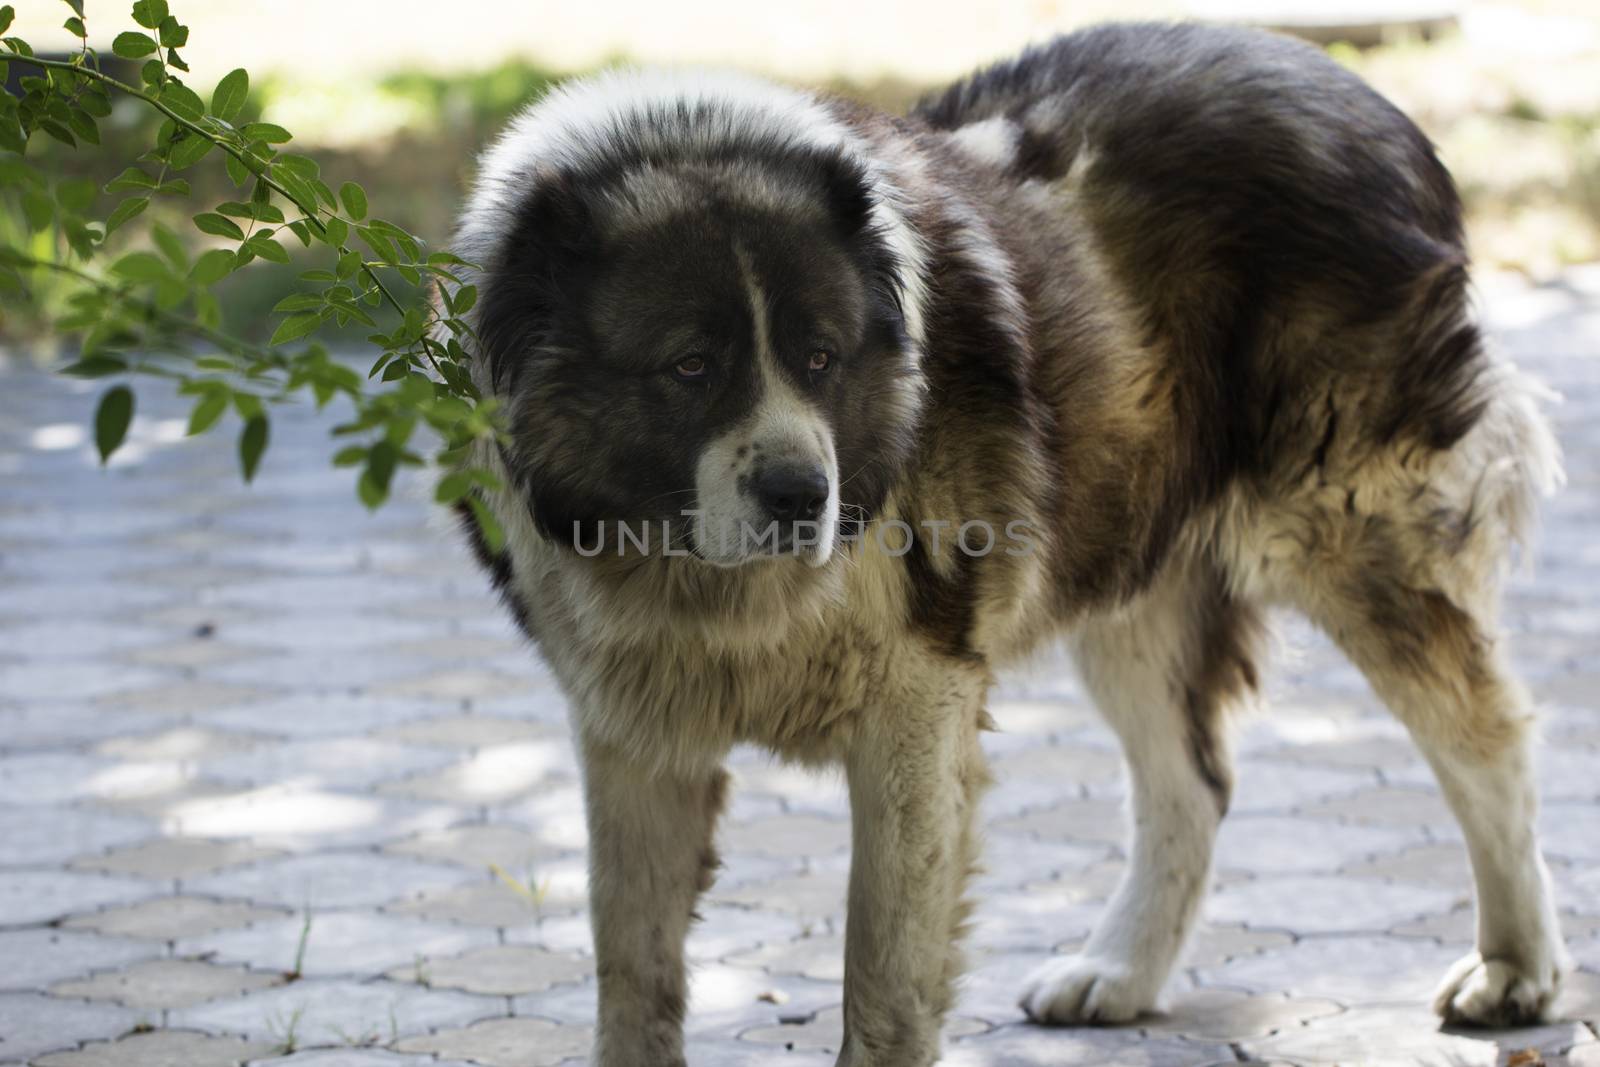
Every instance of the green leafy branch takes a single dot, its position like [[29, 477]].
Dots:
[[153, 310]]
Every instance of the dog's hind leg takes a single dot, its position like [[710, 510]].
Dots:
[[1164, 673], [1438, 667], [650, 858]]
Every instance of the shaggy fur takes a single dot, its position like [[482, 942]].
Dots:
[[1184, 309]]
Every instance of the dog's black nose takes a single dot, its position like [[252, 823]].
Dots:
[[791, 493]]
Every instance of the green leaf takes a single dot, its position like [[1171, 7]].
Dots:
[[149, 13], [335, 231], [188, 149], [111, 420], [213, 266], [38, 209], [252, 442], [126, 210], [173, 33], [453, 487], [183, 100], [229, 97], [95, 367], [264, 246], [208, 411], [129, 180], [465, 298], [75, 27], [295, 327], [238, 173], [218, 225], [94, 101], [299, 302], [141, 267], [75, 194], [170, 247], [7, 13], [265, 131], [488, 525], [354, 200], [132, 45]]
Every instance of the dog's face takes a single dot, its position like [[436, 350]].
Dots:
[[692, 369]]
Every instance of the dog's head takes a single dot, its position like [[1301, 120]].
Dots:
[[697, 317]]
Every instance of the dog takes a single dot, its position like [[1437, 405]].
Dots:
[[818, 417]]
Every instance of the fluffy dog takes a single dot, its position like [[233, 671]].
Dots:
[[818, 417]]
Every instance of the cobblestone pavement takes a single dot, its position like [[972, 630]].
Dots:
[[278, 784]]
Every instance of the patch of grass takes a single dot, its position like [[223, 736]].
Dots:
[[295, 973]]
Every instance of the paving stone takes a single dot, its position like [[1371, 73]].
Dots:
[[330, 763], [1213, 945], [477, 845], [790, 836], [36, 779], [350, 1057], [159, 1048], [1034, 1045], [176, 744], [1444, 865], [300, 816], [44, 896], [330, 880], [156, 985], [502, 970], [1383, 1037], [36, 957], [318, 715], [32, 1024], [820, 957], [816, 895], [1350, 970], [1382, 806], [1277, 844], [453, 685], [506, 1043], [1324, 904], [1077, 822], [169, 918], [824, 1031], [175, 858], [194, 697], [337, 943], [493, 903], [192, 654], [330, 1012], [492, 775], [85, 680], [35, 836], [469, 731], [1223, 1015]]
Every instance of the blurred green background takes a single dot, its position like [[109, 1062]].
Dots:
[[401, 95]]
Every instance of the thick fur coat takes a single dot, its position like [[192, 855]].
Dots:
[[1175, 318]]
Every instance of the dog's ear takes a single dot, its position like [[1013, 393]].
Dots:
[[558, 217], [849, 195], [549, 248]]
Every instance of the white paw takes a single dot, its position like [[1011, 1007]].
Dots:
[[1084, 989], [1495, 993]]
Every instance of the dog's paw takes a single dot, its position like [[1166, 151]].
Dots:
[[1495, 993], [1083, 989]]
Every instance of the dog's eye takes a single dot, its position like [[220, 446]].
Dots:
[[821, 359], [690, 367]]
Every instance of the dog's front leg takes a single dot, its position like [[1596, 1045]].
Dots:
[[914, 783], [650, 857]]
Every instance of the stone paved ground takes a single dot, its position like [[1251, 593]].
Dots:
[[278, 784]]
